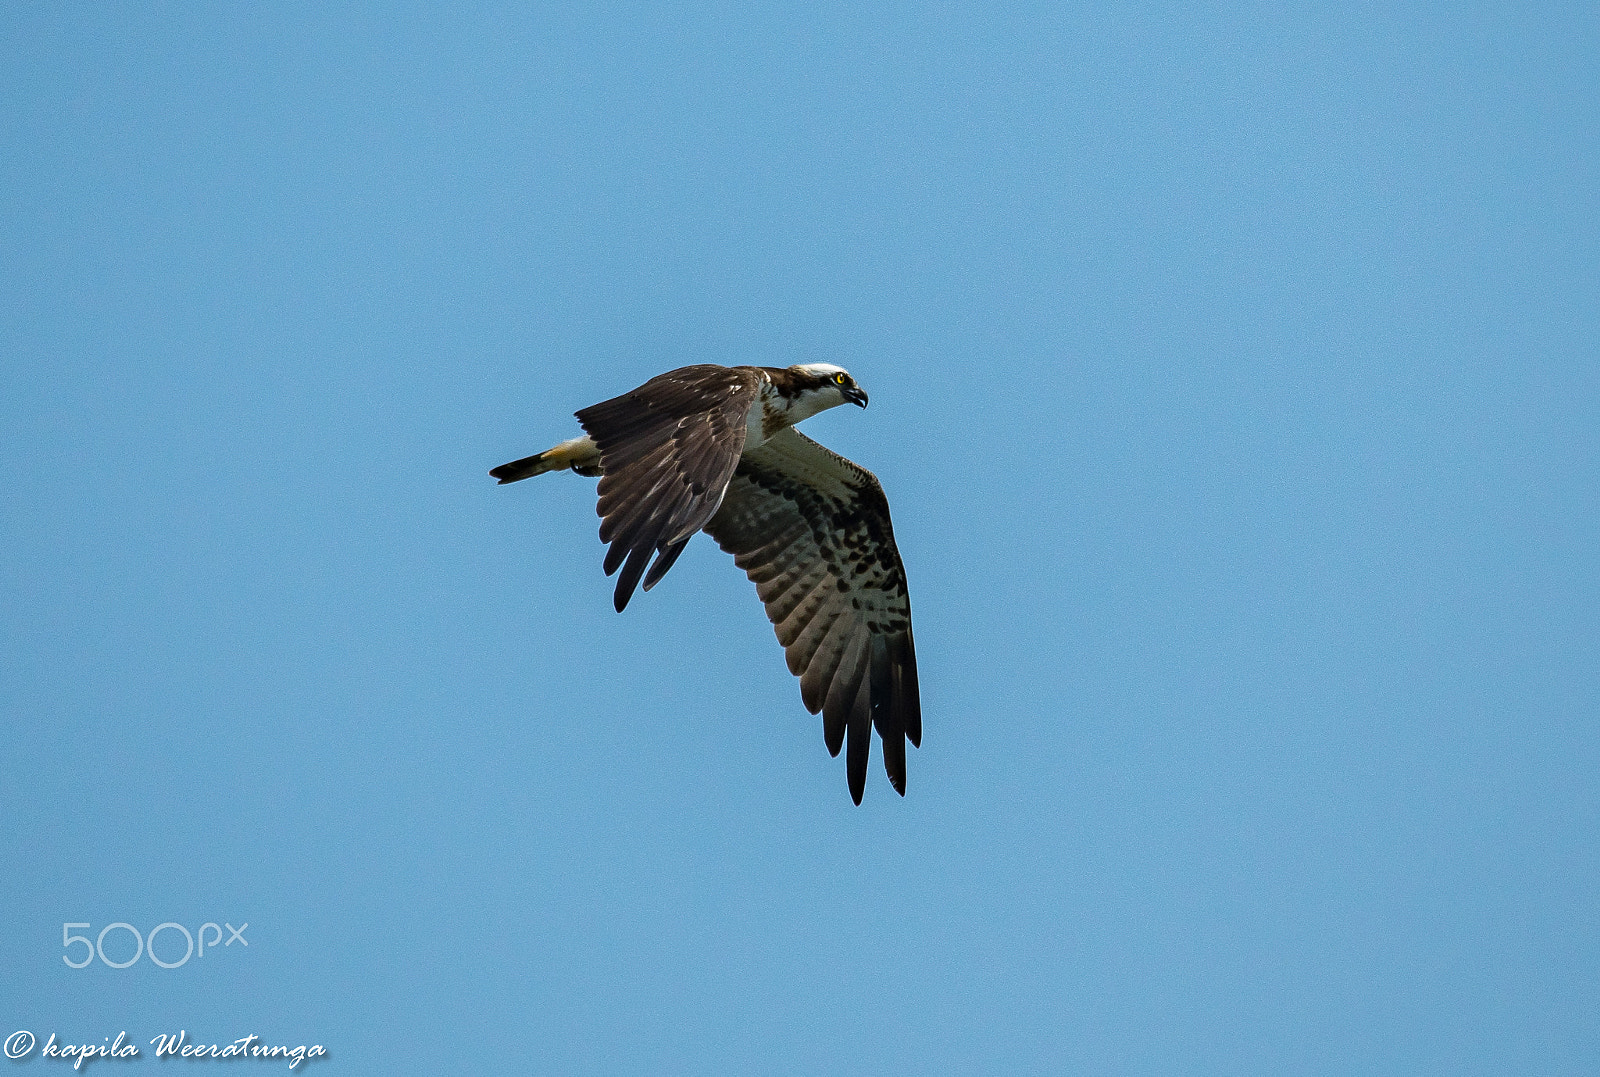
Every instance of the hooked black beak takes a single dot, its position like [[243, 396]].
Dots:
[[854, 395]]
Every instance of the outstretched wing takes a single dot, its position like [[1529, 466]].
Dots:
[[667, 450], [811, 530]]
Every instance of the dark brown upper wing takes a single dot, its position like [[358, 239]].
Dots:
[[667, 450], [811, 529]]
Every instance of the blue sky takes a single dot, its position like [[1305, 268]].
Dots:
[[1234, 380]]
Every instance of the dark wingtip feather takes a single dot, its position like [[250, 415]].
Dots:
[[630, 576], [663, 562], [833, 736], [860, 741], [615, 555], [894, 758], [888, 716], [856, 765], [908, 693]]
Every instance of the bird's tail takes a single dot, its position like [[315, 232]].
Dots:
[[579, 454]]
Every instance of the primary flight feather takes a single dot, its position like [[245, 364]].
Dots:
[[714, 448]]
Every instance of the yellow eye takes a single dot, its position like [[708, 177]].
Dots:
[[838, 379]]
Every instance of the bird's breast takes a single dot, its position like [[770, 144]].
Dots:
[[767, 416]]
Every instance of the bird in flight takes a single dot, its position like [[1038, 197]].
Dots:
[[714, 448]]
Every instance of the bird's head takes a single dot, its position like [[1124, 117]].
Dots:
[[820, 386]]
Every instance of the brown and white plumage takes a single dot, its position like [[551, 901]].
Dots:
[[713, 448]]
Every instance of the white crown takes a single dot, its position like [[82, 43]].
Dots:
[[819, 370]]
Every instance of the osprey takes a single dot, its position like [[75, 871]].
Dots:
[[714, 448]]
